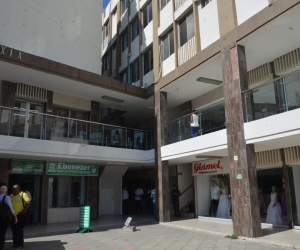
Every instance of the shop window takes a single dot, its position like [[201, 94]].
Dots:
[[135, 76], [66, 191], [134, 29], [148, 60], [147, 15], [124, 41], [167, 42], [69, 128], [124, 4], [186, 28], [205, 2], [163, 3]]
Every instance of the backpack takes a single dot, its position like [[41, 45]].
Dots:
[[5, 213]]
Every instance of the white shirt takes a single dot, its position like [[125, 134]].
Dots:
[[137, 192], [195, 121], [125, 195], [214, 192], [29, 195]]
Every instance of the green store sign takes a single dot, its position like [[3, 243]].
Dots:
[[26, 167], [71, 169]]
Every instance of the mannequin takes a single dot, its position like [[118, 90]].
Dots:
[[224, 203], [274, 215], [214, 194]]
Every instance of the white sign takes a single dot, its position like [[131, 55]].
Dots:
[[217, 166]]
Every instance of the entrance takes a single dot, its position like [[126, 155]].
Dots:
[[25, 122], [33, 183]]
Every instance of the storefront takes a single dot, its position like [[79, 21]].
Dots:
[[57, 188]]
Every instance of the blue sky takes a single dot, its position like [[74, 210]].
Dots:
[[105, 2]]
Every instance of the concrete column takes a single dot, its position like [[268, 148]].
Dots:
[[93, 195], [118, 42], [241, 157], [8, 93], [4, 170], [287, 188], [227, 16], [44, 201], [197, 26], [161, 167]]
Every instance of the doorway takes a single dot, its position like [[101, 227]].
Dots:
[[33, 183], [27, 120]]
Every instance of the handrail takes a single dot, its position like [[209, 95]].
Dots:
[[187, 188], [73, 119], [197, 110], [266, 82]]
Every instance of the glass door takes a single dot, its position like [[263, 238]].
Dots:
[[18, 119]]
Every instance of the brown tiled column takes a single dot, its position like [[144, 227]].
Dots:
[[4, 170], [49, 110], [8, 92], [161, 167], [287, 189], [93, 195], [156, 59], [241, 157], [44, 203]]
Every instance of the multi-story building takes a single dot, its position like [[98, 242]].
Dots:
[[236, 63]]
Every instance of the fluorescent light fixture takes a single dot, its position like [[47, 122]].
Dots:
[[112, 99], [209, 81], [209, 156]]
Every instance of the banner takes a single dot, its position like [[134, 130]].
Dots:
[[71, 169], [216, 166], [26, 167]]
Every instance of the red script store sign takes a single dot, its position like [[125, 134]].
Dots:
[[207, 168]]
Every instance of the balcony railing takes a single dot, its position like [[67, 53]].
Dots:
[[34, 125], [273, 97], [179, 3], [211, 119], [187, 51]]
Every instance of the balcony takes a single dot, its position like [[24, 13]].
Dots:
[[211, 119], [34, 125], [187, 51]]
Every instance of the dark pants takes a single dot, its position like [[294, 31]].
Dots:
[[176, 207], [125, 206], [3, 228], [194, 131], [18, 232], [139, 205], [213, 207]]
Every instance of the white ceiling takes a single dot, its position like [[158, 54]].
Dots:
[[137, 108]]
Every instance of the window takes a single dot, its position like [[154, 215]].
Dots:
[[134, 68], [134, 29], [124, 5], [124, 41], [163, 3], [106, 30], [106, 62], [167, 42], [186, 29], [148, 61], [147, 15], [124, 75], [205, 2]]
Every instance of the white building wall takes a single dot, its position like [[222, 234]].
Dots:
[[148, 79], [124, 21], [66, 31], [147, 38], [169, 64], [135, 48], [133, 9], [209, 24], [166, 18], [248, 8], [114, 25]]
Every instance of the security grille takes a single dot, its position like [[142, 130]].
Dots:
[[25, 91], [287, 62], [270, 158], [292, 155], [260, 74]]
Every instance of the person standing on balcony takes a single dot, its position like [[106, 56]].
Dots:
[[194, 124]]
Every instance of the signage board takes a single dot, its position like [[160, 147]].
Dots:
[[239, 176], [26, 167], [71, 169], [210, 167], [85, 217]]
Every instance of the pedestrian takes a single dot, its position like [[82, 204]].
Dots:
[[125, 200], [28, 214], [138, 198], [6, 212], [20, 203], [175, 200], [153, 198], [194, 124]]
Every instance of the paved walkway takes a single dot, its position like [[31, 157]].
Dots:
[[155, 236]]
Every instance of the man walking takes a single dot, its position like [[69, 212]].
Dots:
[[153, 198], [21, 203], [138, 198], [5, 206], [175, 200]]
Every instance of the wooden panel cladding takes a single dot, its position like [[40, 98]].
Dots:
[[260, 74], [287, 62], [30, 92], [292, 155], [268, 159], [187, 51]]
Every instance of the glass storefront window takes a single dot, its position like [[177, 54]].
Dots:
[[66, 191]]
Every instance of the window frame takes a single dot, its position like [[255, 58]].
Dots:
[[148, 69], [171, 48], [122, 39], [125, 7], [185, 18], [135, 63], [135, 21], [147, 11]]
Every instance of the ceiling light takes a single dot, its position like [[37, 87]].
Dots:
[[112, 99], [209, 81], [209, 156]]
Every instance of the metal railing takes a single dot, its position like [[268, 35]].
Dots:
[[210, 119], [273, 97], [34, 125]]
